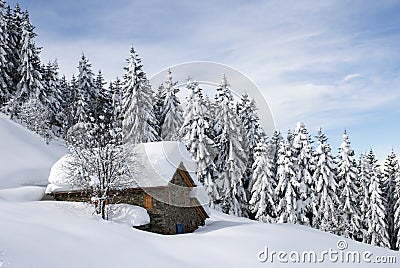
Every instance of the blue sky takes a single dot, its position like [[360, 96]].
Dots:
[[334, 64]]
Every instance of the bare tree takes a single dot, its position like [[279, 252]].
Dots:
[[97, 162]]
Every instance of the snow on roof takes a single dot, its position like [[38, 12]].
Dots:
[[158, 162], [152, 165], [58, 178]]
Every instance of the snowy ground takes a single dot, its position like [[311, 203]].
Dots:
[[56, 234]]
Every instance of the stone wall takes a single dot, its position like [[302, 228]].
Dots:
[[163, 217], [187, 216]]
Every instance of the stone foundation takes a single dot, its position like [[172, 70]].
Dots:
[[164, 218]]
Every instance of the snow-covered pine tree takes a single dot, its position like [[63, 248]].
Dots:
[[137, 104], [29, 85], [103, 100], [172, 114], [247, 111], [290, 137], [262, 202], [287, 190], [391, 170], [193, 135], [273, 155], [159, 100], [377, 234], [52, 96], [231, 158], [304, 165], [15, 21], [116, 91], [5, 80], [326, 202], [273, 148], [211, 119], [350, 222], [71, 101], [68, 103], [87, 92], [100, 83], [364, 169]]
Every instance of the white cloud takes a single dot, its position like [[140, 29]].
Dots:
[[351, 77]]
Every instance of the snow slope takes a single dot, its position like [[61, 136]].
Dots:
[[25, 159]]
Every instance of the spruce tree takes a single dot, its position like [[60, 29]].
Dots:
[[273, 148], [87, 92], [15, 24], [304, 167], [73, 98], [231, 159], [100, 83], [262, 200], [5, 80], [103, 99], [193, 135], [116, 90], [350, 223], [137, 104], [254, 134], [377, 234], [68, 102], [211, 119], [288, 188], [159, 100], [29, 67], [391, 169], [363, 196], [290, 136], [52, 95], [326, 202], [172, 113]]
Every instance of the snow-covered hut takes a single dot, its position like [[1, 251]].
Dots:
[[164, 183]]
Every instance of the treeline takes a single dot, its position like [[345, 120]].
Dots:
[[289, 180], [296, 182], [245, 172]]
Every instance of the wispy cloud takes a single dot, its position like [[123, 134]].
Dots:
[[351, 77]]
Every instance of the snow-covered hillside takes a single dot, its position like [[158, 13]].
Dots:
[[56, 234], [25, 159]]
